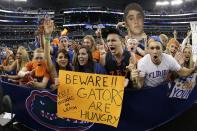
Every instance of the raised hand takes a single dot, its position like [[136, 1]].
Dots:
[[174, 32], [98, 33], [134, 73], [132, 63], [120, 24], [189, 32], [48, 27], [179, 57]]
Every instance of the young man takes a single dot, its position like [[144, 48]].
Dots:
[[153, 68], [134, 21], [116, 59]]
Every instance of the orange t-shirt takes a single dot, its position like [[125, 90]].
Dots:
[[96, 55], [138, 57], [40, 68]]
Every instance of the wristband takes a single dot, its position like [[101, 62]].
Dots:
[[47, 39]]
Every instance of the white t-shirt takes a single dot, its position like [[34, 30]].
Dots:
[[156, 74]]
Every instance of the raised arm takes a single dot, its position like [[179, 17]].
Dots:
[[48, 29], [175, 34], [99, 36], [186, 40]]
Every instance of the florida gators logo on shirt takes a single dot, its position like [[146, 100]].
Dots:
[[42, 107]]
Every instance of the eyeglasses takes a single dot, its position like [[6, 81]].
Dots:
[[156, 47]]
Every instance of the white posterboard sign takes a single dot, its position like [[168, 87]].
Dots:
[[194, 39]]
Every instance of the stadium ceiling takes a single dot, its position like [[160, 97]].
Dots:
[[59, 4]]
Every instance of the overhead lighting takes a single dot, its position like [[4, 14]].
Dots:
[[162, 3], [176, 2], [20, 0]]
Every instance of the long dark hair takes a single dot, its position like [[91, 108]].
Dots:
[[89, 68], [66, 56]]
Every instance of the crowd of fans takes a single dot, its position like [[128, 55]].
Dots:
[[143, 60]]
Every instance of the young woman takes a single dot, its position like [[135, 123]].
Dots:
[[172, 47], [62, 60], [89, 41], [22, 58], [187, 53], [85, 63], [62, 57]]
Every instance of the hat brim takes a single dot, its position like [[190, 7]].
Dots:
[[107, 31]]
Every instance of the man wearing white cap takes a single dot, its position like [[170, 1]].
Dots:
[[154, 67]]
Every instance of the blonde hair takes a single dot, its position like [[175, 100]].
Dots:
[[91, 38], [163, 36], [191, 63], [25, 57], [38, 50]]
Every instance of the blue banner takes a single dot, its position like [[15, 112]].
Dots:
[[142, 109]]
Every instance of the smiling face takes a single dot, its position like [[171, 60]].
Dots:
[[187, 52], [135, 22], [88, 43], [155, 51], [22, 55], [62, 60], [82, 56], [114, 43]]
